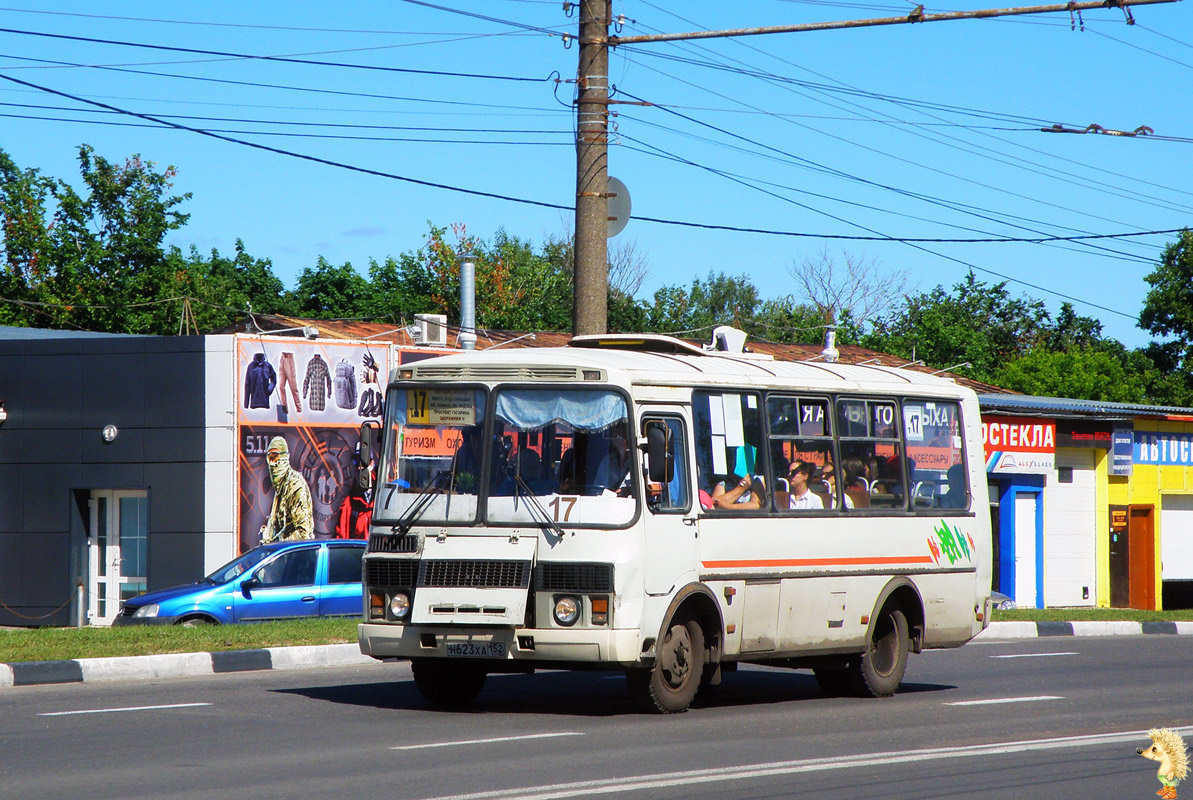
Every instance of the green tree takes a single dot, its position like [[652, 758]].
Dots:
[[1080, 372], [326, 292], [1168, 313], [976, 322], [93, 260]]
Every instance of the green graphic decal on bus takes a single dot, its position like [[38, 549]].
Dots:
[[950, 542]]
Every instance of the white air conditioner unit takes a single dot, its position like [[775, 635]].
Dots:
[[432, 329]]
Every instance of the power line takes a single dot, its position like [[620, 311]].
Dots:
[[552, 205], [283, 59]]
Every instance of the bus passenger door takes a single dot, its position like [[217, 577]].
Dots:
[[670, 519]]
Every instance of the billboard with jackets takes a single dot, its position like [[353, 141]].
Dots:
[[314, 394]]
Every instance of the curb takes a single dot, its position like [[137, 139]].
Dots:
[[1034, 630], [99, 670]]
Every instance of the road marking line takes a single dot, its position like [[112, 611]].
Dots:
[[999, 700], [750, 771], [487, 741], [1034, 655], [116, 710]]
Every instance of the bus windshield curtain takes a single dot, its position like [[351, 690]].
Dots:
[[583, 410]]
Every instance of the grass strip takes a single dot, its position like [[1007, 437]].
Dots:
[[54, 644]]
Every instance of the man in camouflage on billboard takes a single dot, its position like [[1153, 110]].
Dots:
[[290, 515]]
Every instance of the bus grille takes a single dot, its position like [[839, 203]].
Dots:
[[585, 578], [393, 543], [476, 574], [391, 572]]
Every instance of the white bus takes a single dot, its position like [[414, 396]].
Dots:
[[641, 504]]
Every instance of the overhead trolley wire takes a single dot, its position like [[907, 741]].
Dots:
[[557, 206], [281, 59]]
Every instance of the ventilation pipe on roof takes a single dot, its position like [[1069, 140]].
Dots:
[[830, 352], [467, 337]]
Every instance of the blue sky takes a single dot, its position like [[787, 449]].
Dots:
[[929, 131]]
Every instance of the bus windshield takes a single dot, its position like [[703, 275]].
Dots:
[[557, 454]]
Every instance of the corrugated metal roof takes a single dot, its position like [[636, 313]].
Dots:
[[1064, 406]]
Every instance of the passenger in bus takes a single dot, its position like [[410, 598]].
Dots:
[[830, 480], [799, 479], [746, 493], [857, 491], [596, 464], [955, 497]]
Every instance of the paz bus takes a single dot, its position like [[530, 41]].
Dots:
[[642, 504]]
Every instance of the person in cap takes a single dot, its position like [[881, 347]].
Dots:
[[291, 516]]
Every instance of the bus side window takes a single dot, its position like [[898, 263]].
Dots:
[[932, 429], [872, 453], [729, 454], [672, 494]]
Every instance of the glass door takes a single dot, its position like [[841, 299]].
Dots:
[[116, 551]]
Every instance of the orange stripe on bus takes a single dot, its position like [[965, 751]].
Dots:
[[818, 562]]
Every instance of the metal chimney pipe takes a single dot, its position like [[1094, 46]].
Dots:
[[467, 337], [830, 351]]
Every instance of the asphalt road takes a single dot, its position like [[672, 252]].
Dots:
[[1043, 718]]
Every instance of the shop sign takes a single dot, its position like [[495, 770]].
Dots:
[[1084, 434], [1122, 450], [1163, 448], [1017, 445]]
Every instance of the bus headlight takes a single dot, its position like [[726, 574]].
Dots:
[[567, 610], [399, 605]]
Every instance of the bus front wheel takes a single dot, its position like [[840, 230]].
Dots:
[[879, 670], [449, 684], [670, 685]]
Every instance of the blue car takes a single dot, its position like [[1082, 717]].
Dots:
[[274, 581]]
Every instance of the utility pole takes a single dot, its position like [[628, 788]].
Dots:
[[590, 273]]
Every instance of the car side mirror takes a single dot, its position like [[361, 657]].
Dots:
[[660, 461], [370, 434], [247, 586]]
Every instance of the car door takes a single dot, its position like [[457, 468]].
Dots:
[[283, 586], [342, 595]]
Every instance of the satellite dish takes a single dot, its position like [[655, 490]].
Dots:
[[619, 207]]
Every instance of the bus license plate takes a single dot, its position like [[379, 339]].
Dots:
[[476, 649]]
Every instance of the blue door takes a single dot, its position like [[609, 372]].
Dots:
[[287, 587], [342, 594]]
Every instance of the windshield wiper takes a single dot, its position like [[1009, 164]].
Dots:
[[533, 502], [420, 504]]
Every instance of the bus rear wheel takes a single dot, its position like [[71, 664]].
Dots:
[[448, 684], [879, 670], [670, 685]]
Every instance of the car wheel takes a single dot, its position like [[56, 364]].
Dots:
[[196, 622]]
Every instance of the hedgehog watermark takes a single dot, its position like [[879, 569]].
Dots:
[[1169, 749]]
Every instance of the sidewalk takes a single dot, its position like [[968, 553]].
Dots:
[[97, 670]]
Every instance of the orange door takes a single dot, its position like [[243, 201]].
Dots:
[[1143, 556]]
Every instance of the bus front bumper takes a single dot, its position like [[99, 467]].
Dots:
[[522, 645]]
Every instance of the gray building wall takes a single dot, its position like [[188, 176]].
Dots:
[[59, 394]]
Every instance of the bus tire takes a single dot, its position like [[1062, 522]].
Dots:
[[448, 684], [670, 685], [879, 670]]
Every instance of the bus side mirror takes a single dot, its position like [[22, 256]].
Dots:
[[660, 460], [370, 434]]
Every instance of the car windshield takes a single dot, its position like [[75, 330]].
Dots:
[[238, 566], [565, 452]]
